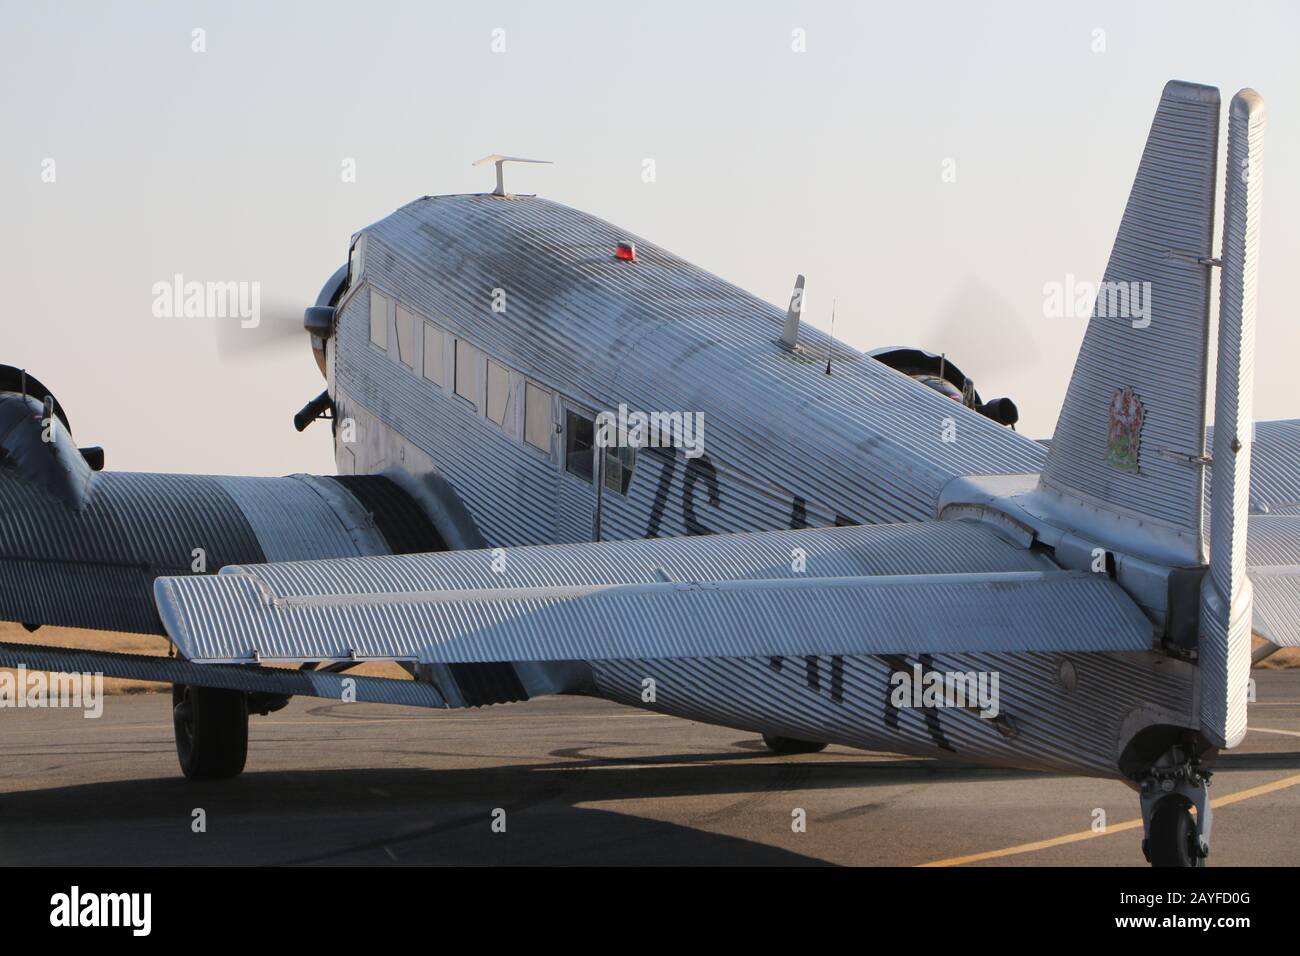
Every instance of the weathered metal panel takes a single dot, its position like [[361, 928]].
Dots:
[[1165, 231], [864, 444], [1225, 645]]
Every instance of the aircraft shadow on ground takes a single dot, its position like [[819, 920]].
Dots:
[[443, 816]]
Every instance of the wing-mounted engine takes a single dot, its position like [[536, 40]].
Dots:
[[36, 442], [941, 374]]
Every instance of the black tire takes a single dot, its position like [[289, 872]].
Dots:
[[211, 731], [788, 745], [1173, 840]]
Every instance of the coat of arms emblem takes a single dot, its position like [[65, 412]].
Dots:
[[1124, 434]]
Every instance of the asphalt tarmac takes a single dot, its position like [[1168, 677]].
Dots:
[[576, 781]]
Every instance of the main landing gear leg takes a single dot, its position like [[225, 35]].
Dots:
[[1170, 791]]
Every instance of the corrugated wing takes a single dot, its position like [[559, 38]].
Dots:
[[648, 599]]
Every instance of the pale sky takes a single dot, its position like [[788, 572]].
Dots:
[[225, 165]]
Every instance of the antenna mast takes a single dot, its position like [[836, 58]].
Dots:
[[500, 160], [830, 349]]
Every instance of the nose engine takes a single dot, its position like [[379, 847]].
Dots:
[[318, 319]]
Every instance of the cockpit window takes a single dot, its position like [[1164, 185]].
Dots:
[[941, 386], [356, 256]]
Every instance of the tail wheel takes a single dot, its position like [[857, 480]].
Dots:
[[789, 745], [1173, 839], [211, 731]]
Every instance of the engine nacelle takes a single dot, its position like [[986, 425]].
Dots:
[[942, 374], [36, 442]]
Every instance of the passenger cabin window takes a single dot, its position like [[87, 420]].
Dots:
[[619, 463], [433, 353], [405, 336], [466, 371], [579, 436], [379, 319], [537, 416], [498, 392]]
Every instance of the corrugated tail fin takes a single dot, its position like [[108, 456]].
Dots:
[[1226, 599], [1131, 434]]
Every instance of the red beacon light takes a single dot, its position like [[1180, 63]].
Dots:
[[625, 251]]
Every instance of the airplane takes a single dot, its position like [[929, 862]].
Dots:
[[570, 462]]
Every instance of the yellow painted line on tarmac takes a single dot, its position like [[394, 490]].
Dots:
[[1226, 800]]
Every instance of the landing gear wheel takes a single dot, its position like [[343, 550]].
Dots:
[[1173, 840], [211, 731], [788, 745]]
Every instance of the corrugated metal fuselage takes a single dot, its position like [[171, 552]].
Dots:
[[534, 288]]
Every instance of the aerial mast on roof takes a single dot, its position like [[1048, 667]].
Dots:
[[790, 334], [501, 160]]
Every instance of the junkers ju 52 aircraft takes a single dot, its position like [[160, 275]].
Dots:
[[842, 530]]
